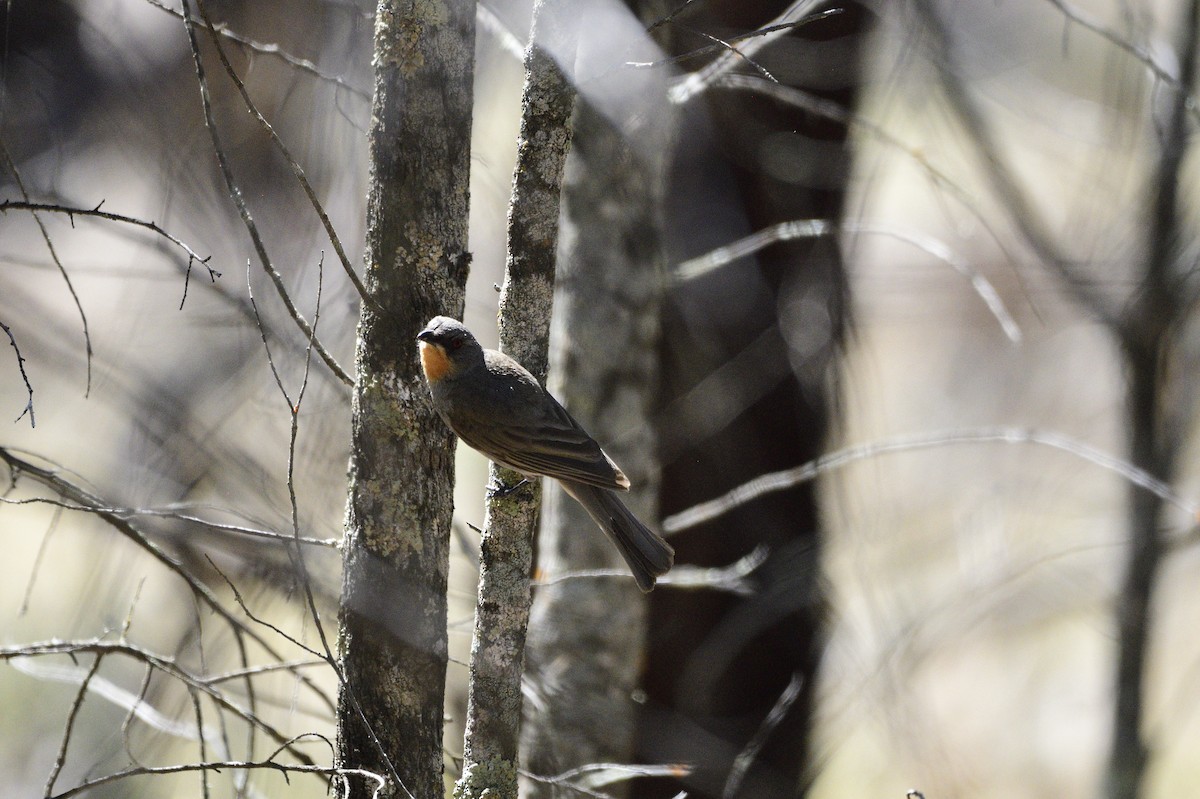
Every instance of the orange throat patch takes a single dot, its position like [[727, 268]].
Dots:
[[434, 361]]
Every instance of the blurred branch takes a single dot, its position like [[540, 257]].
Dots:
[[728, 42], [297, 170], [745, 758], [24, 377], [835, 112], [1013, 198], [272, 50], [731, 578], [62, 270], [811, 228], [1158, 419], [1121, 42], [695, 83], [235, 194], [165, 665], [789, 478], [586, 780]]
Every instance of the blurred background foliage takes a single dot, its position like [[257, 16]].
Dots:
[[958, 599]]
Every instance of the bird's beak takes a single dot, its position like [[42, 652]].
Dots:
[[425, 335]]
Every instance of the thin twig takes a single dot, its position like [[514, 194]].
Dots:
[[274, 51], [73, 211], [727, 43], [235, 194], [731, 578], [293, 164], [269, 668], [200, 741], [61, 758], [62, 270], [203, 592], [128, 513], [241, 602], [691, 85], [25, 377], [218, 766]]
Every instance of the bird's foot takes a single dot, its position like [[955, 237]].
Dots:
[[502, 491]]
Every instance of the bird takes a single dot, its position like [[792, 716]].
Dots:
[[498, 408]]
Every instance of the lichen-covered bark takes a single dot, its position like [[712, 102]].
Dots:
[[502, 614], [393, 617], [586, 635]]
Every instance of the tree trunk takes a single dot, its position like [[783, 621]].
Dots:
[[586, 635], [502, 613], [396, 550]]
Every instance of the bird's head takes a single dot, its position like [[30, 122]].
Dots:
[[447, 347]]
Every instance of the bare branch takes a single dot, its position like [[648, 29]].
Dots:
[[731, 578], [297, 170], [217, 766], [61, 758], [164, 664], [745, 758], [129, 513], [835, 112], [1015, 200], [235, 194], [62, 270], [693, 84], [203, 593], [1125, 43], [96, 213], [728, 42], [274, 51], [21, 368], [585, 780]]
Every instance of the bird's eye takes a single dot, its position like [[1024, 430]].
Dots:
[[456, 344]]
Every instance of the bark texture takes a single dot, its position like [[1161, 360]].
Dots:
[[502, 613], [396, 551], [586, 635]]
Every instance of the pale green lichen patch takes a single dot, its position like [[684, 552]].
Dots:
[[402, 30], [492, 779]]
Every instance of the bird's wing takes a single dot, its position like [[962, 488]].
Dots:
[[552, 443]]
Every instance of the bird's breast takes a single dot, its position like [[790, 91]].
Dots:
[[434, 361]]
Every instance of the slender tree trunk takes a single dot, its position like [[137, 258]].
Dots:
[[502, 614], [396, 551], [587, 635]]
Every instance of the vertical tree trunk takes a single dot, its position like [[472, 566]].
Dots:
[[393, 616], [586, 635], [502, 613]]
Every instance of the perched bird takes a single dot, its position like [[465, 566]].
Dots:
[[498, 408]]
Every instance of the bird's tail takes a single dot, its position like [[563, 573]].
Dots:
[[647, 554]]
